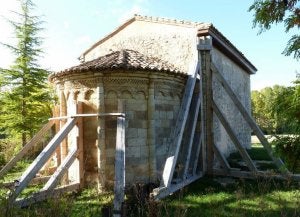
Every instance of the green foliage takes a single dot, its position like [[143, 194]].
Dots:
[[25, 97], [277, 109], [264, 109], [288, 148], [268, 12]]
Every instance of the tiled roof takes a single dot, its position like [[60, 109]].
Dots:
[[123, 59]]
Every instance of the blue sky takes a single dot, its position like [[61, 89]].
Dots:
[[71, 26]]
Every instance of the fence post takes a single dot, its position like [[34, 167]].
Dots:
[[119, 163]]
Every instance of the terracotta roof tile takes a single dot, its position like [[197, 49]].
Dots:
[[123, 59]]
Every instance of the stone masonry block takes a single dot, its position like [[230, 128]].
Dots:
[[141, 115], [132, 133], [136, 142], [133, 151], [142, 133], [137, 124]]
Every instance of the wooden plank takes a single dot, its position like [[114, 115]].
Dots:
[[248, 119], [259, 174], [60, 171], [221, 158], [177, 133], [26, 148], [119, 164], [200, 144], [160, 193], [234, 138], [43, 195], [192, 135], [34, 181], [87, 115], [42, 158]]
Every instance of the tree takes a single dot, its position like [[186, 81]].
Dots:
[[25, 97], [288, 107], [264, 109], [268, 12]]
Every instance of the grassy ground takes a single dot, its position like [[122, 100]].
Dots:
[[209, 196], [206, 197]]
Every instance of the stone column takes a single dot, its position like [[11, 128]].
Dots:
[[151, 131]]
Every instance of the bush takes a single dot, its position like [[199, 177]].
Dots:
[[8, 148], [288, 148]]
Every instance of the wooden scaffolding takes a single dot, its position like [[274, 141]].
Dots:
[[184, 163]]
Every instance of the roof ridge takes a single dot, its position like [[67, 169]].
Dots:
[[169, 21]]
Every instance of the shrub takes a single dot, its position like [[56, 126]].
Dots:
[[288, 148]]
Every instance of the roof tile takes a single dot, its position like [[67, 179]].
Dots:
[[122, 59]]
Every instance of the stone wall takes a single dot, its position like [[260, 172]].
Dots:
[[172, 43], [152, 102], [239, 81]]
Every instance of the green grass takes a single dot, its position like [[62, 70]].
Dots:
[[256, 153], [206, 197], [245, 198]]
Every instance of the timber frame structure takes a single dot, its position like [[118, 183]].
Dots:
[[205, 69], [196, 158]]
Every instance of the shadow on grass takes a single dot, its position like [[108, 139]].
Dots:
[[206, 197], [263, 197]]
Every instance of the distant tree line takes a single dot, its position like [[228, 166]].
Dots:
[[277, 109]]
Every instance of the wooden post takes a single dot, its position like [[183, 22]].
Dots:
[[80, 145], [205, 47], [101, 140], [119, 163]]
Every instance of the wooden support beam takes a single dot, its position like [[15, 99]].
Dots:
[[34, 181], [60, 171], [42, 158], [194, 115], [259, 174], [119, 164], [202, 144], [43, 195], [221, 158], [177, 133], [199, 146], [205, 47], [26, 148], [160, 193], [234, 138], [248, 119], [80, 145], [87, 116]]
